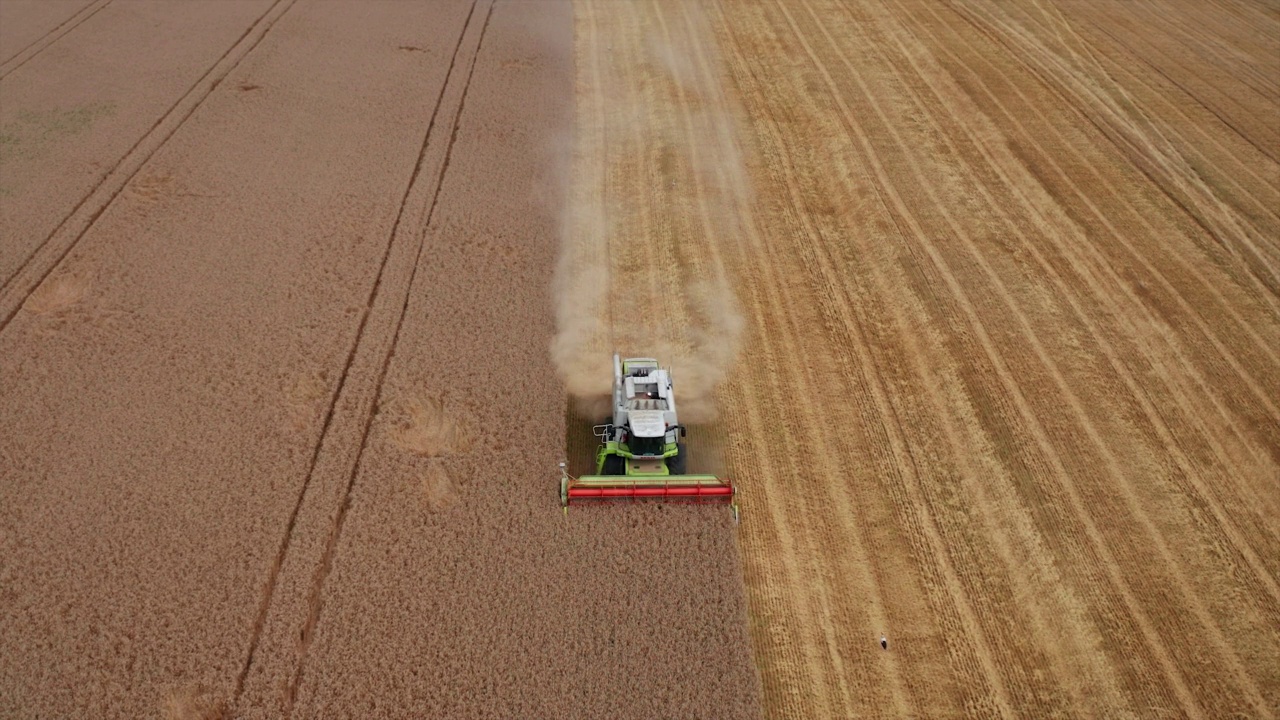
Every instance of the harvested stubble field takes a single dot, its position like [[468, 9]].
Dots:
[[1009, 304], [278, 425]]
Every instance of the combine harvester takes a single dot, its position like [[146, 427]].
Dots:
[[641, 455]]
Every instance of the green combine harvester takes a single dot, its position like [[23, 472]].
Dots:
[[642, 455]]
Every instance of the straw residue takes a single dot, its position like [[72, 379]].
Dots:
[[658, 180]]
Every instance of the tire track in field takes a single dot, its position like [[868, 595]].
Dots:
[[273, 577], [1264, 578], [17, 60], [1179, 176], [1187, 156], [1155, 164], [1011, 387], [1180, 181], [1237, 10], [1262, 581], [833, 669], [1192, 600], [374, 389], [781, 393], [972, 710], [1122, 239], [1241, 70], [905, 492], [1209, 107], [1098, 259], [847, 330], [1243, 166], [67, 234], [993, 356], [903, 459], [1220, 531], [1077, 406]]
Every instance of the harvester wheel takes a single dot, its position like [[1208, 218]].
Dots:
[[678, 464], [615, 465]]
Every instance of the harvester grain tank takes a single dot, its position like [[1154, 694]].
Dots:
[[642, 454]]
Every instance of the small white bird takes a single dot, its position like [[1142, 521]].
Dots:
[[884, 642]]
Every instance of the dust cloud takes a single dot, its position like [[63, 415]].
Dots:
[[655, 196]]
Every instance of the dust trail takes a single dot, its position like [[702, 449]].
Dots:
[[657, 188]]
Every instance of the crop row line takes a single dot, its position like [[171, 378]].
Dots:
[[37, 46], [314, 601], [75, 226]]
